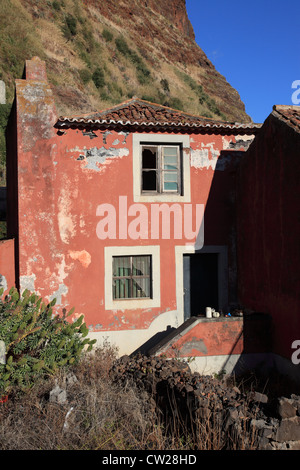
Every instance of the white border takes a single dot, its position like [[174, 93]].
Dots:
[[136, 166], [128, 304]]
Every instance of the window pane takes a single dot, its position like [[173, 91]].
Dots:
[[168, 176], [170, 180], [141, 265], [121, 289], [171, 187], [121, 266], [170, 163], [149, 181], [149, 158], [141, 287], [170, 151]]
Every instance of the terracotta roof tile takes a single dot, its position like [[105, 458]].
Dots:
[[288, 114], [140, 113]]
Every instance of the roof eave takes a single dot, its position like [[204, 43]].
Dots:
[[64, 122]]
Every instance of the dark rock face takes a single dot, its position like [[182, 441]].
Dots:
[[175, 11], [166, 23]]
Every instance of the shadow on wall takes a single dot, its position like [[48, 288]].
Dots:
[[155, 340], [210, 276], [256, 338], [250, 346], [2, 203]]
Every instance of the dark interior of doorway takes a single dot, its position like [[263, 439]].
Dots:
[[200, 274]]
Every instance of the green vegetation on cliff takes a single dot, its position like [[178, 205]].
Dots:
[[98, 55]]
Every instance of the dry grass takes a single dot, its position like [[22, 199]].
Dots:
[[101, 415], [97, 415]]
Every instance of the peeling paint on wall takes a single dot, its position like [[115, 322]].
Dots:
[[96, 156], [91, 134], [3, 282], [62, 290], [66, 221], [204, 158], [82, 256], [27, 282], [194, 344], [105, 135], [240, 141], [61, 269]]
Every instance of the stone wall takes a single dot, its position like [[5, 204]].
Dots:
[[245, 419]]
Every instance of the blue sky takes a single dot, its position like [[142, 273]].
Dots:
[[254, 45]]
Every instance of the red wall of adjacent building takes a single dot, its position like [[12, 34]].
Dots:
[[268, 230]]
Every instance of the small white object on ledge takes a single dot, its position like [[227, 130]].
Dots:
[[208, 312]]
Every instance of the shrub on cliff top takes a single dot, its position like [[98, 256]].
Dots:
[[37, 342]]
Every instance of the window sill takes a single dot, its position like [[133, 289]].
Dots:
[[163, 197]]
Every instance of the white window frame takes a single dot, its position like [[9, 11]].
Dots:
[[128, 304], [161, 139]]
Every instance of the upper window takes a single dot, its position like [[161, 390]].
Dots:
[[161, 169]]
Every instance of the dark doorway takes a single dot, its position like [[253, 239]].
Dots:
[[200, 283]]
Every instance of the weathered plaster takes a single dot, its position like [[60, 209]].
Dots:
[[66, 219], [82, 256], [194, 344], [209, 158], [28, 282], [61, 291], [3, 282], [98, 156]]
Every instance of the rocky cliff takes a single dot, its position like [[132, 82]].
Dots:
[[100, 53]]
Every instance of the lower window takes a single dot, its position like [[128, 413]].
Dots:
[[132, 277]]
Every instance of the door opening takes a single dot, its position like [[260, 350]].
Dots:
[[200, 283]]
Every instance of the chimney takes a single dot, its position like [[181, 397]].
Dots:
[[35, 69]]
